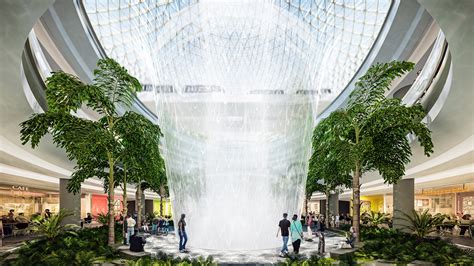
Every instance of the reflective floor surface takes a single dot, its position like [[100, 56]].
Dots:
[[169, 245]]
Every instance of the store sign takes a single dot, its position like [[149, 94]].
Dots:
[[19, 191], [19, 188], [445, 190]]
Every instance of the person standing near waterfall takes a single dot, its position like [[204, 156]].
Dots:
[[183, 237], [283, 226]]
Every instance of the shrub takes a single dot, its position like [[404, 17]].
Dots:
[[345, 227], [164, 259], [82, 248], [374, 218], [422, 223], [396, 246], [313, 260], [372, 232], [52, 227]]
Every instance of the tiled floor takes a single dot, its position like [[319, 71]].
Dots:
[[169, 245], [461, 241], [10, 243]]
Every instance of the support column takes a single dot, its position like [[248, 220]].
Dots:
[[333, 204], [322, 207], [88, 206], [403, 201], [70, 202]]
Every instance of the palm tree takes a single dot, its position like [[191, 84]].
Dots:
[[52, 227], [98, 147], [422, 223], [372, 130]]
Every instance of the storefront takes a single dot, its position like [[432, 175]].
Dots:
[[27, 200], [167, 210], [99, 205], [465, 203], [449, 200], [313, 206], [372, 203]]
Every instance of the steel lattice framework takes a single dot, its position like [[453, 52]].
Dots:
[[240, 46]]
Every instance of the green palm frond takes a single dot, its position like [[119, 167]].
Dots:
[[421, 223], [115, 82], [375, 218], [53, 227]]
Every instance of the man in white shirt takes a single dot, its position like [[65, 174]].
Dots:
[[130, 227]]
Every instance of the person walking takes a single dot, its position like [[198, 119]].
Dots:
[[183, 237], [130, 228], [283, 226], [296, 230], [310, 223], [321, 238]]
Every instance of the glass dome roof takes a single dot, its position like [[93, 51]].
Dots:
[[240, 46]]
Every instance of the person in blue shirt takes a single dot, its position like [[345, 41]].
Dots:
[[296, 229]]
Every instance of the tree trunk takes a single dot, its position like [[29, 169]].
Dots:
[[327, 210], [139, 204], [356, 192], [111, 238], [356, 201], [161, 206], [124, 202], [162, 193]]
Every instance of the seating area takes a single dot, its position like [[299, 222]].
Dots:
[[463, 227], [14, 229]]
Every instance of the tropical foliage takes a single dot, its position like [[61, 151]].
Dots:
[[156, 182], [296, 260], [395, 246], [371, 132], [109, 147], [53, 227], [374, 218], [325, 173], [85, 247], [422, 223], [163, 259], [103, 218]]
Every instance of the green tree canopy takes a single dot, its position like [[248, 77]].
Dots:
[[99, 147], [327, 174], [371, 132]]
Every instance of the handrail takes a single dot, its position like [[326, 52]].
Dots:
[[428, 72], [33, 55]]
